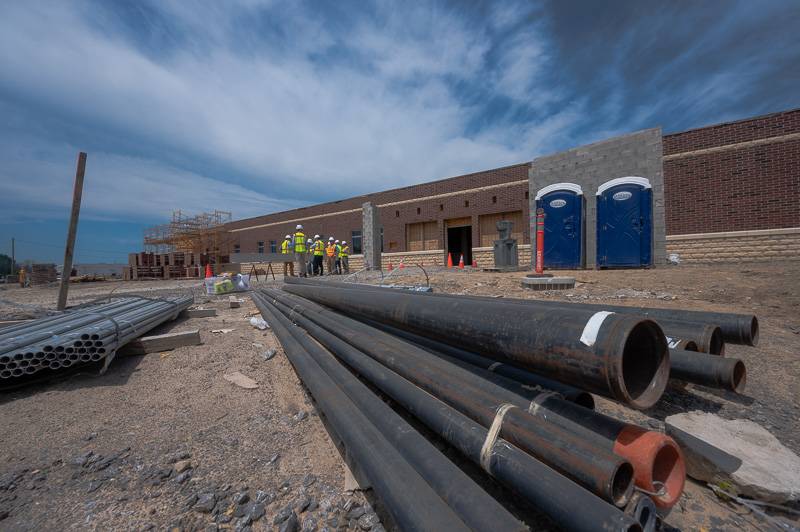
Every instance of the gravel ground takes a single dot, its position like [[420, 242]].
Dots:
[[164, 441]]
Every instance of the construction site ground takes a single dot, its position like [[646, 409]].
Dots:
[[104, 452]]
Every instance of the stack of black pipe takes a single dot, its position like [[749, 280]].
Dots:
[[577, 481], [696, 339], [83, 335]]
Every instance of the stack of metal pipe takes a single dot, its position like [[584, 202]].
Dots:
[[87, 334], [696, 339], [526, 436]]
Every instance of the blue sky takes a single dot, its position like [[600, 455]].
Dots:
[[256, 106]]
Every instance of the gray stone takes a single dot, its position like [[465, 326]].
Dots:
[[269, 353], [301, 503], [205, 502], [309, 524], [737, 452], [183, 477], [180, 455], [182, 465], [368, 521], [309, 479], [257, 511], [273, 458], [282, 515], [290, 525], [241, 498], [356, 512], [371, 236], [264, 497]]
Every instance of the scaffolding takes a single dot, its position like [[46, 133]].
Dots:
[[201, 233]]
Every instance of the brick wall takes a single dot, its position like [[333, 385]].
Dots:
[[738, 176]]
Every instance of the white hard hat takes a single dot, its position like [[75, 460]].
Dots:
[[316, 236], [309, 240], [299, 226], [344, 241], [331, 238], [287, 236], [337, 241]]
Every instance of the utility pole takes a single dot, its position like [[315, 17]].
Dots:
[[66, 270]]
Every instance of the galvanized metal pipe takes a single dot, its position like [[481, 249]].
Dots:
[[616, 355], [474, 506], [594, 467], [550, 492]]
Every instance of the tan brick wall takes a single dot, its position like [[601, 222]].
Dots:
[[483, 256], [738, 246]]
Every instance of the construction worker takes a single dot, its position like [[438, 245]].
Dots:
[[330, 252], [338, 257], [300, 250], [309, 257], [23, 282], [319, 252], [287, 248], [344, 256]]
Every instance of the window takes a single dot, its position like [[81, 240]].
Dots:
[[418, 210], [261, 247], [527, 195], [466, 203], [236, 248], [494, 199], [441, 206], [397, 214], [422, 236], [381, 239], [355, 239], [273, 246]]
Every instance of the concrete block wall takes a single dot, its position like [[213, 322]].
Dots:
[[637, 154]]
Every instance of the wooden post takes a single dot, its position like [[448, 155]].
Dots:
[[13, 258], [66, 270]]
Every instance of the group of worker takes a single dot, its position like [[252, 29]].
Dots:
[[308, 255]]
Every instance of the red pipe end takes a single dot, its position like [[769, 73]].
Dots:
[[657, 460]]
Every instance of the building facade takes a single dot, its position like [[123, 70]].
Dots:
[[730, 192]]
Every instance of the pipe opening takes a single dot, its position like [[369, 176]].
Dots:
[[29, 355], [94, 337], [47, 348], [691, 346], [645, 364], [644, 515], [84, 336], [622, 484], [18, 356], [584, 399], [59, 349], [5, 373], [717, 344], [634, 527], [16, 372], [669, 470], [739, 379]]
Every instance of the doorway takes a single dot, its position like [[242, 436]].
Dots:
[[459, 242]]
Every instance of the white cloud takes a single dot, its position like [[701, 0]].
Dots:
[[383, 116]]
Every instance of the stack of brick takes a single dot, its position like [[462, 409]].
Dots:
[[175, 265]]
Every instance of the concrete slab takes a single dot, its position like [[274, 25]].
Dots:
[[548, 283]]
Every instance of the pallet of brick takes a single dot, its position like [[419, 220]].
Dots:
[[43, 274]]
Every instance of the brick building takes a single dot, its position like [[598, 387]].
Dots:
[[730, 192]]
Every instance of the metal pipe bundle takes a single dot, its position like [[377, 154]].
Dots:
[[736, 328], [83, 335], [550, 492], [617, 355]]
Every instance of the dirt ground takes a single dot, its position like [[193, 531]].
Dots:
[[99, 452]]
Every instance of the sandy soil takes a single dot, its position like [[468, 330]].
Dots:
[[148, 408]]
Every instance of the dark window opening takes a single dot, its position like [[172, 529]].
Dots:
[[355, 239], [236, 248], [397, 214], [441, 206], [494, 199], [527, 195], [418, 210], [273, 246], [261, 247], [466, 203]]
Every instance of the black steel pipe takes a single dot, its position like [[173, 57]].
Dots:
[[476, 508], [547, 490], [472, 360], [410, 501], [617, 355], [736, 328], [706, 338], [708, 370], [643, 509], [595, 467]]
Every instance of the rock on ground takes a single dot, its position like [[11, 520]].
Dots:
[[739, 452]]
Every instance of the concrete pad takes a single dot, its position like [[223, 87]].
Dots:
[[548, 283], [738, 452]]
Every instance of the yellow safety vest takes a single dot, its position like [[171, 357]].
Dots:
[[299, 242], [319, 248], [285, 247], [330, 250], [343, 252]]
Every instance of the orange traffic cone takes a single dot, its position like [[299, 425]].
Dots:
[[401, 266], [449, 260], [461, 262], [391, 267], [474, 263], [209, 273]]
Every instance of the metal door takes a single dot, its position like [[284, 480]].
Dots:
[[624, 226], [563, 228]]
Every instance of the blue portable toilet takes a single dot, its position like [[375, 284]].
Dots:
[[624, 223], [563, 225]]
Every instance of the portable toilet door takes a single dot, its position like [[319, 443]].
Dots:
[[624, 223], [563, 225]]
